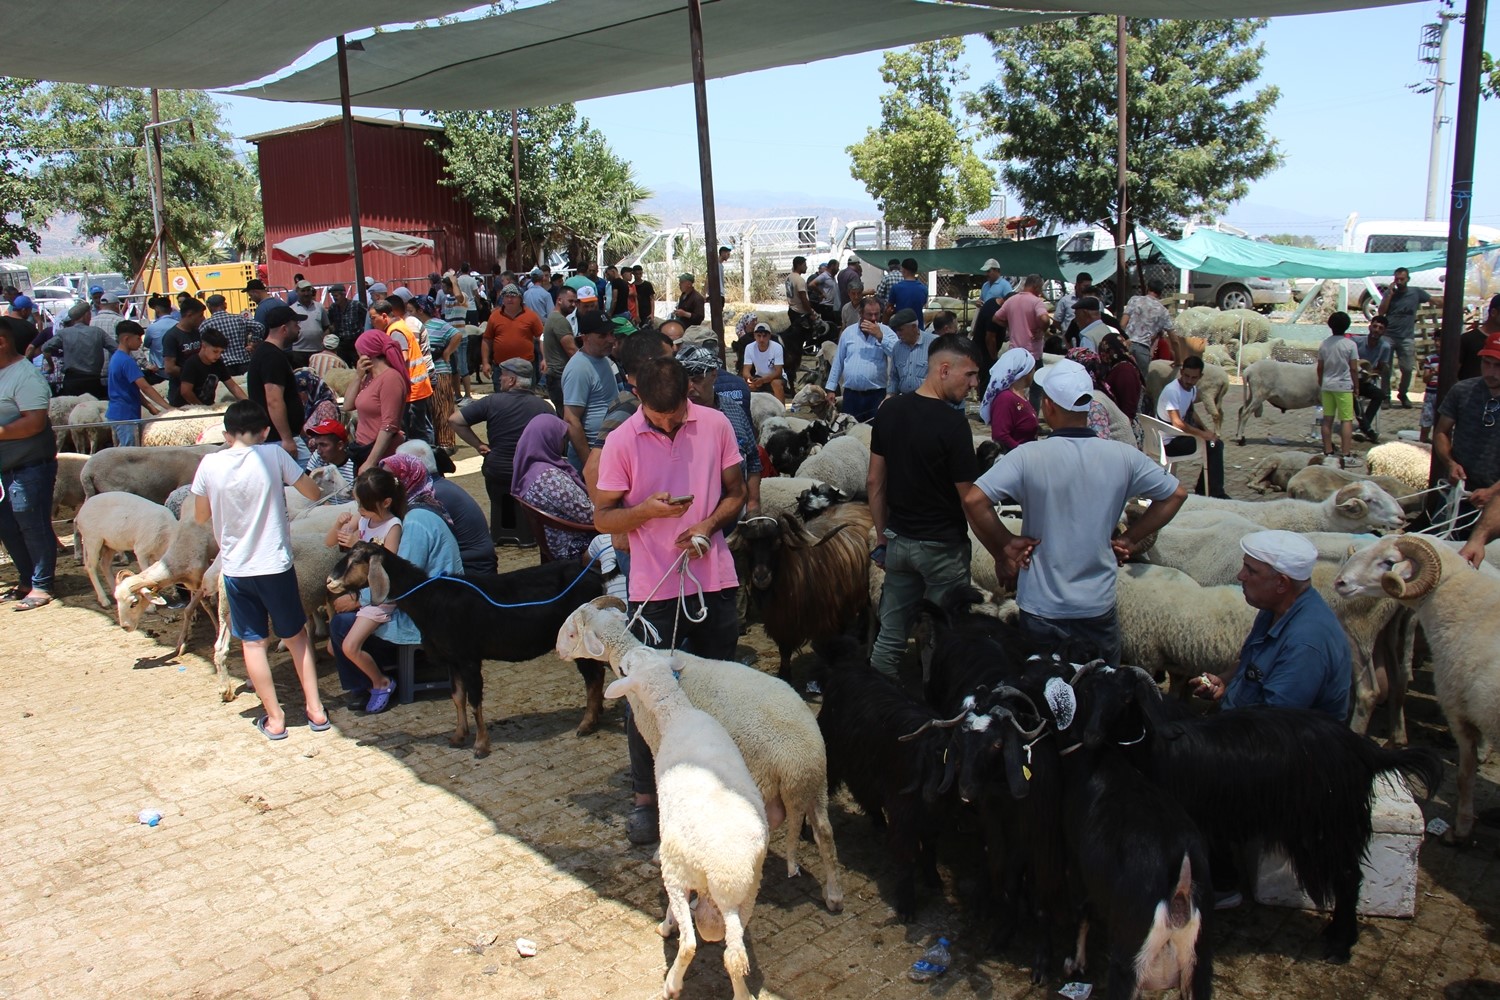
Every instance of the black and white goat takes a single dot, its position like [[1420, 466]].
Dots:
[[1296, 780], [460, 628], [892, 753]]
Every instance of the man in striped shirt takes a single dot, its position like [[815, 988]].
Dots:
[[330, 444], [237, 331], [862, 364]]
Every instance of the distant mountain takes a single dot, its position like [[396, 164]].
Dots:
[[676, 204], [60, 239]]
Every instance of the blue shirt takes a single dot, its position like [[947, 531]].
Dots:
[[861, 360], [908, 293], [124, 394], [732, 394], [997, 289], [427, 542], [909, 363], [154, 334], [263, 309], [1377, 351], [1299, 661], [588, 382], [538, 300]]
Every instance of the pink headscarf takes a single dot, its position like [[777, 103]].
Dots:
[[375, 344], [417, 482]]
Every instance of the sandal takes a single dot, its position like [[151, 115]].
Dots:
[[260, 724], [31, 603], [320, 727], [12, 594]]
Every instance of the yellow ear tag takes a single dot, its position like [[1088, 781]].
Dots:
[[1026, 772]]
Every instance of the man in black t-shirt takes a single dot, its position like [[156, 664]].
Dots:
[[645, 297], [180, 343], [921, 465], [204, 372], [269, 380]]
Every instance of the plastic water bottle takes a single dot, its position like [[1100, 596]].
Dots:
[[149, 817], [1317, 428], [933, 963]]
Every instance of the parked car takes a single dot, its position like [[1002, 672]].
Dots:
[[1205, 289], [54, 300], [1403, 236], [79, 281]]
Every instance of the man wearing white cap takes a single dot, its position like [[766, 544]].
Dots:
[[1297, 655], [994, 287], [1071, 488]]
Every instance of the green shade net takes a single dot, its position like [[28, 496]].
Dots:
[[1234, 256]]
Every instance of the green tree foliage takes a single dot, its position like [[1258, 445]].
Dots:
[[22, 200], [1293, 240], [96, 166], [1489, 76], [1195, 132], [574, 189], [916, 165]]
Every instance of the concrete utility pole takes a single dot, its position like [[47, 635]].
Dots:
[[1120, 122], [1433, 52]]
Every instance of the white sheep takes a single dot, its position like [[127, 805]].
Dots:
[[328, 480], [1284, 384], [58, 409], [780, 422], [187, 430], [1170, 622], [1354, 508], [1318, 482], [1258, 352], [860, 432], [191, 560], [91, 440], [843, 463], [151, 473], [778, 494], [1408, 461], [1456, 608], [119, 522], [712, 818], [764, 406], [812, 401], [1222, 326], [339, 380], [67, 491], [1211, 390], [774, 729], [1275, 470]]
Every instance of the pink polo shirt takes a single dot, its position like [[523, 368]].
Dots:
[[642, 461], [1025, 317]]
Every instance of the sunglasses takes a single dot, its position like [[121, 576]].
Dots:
[[1491, 411]]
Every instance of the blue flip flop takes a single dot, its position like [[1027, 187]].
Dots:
[[321, 727], [260, 724]]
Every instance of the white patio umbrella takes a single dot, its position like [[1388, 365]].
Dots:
[[334, 245]]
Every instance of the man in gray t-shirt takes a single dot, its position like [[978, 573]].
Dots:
[[1072, 487], [588, 386], [1399, 307]]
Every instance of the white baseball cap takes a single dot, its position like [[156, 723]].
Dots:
[[1068, 384]]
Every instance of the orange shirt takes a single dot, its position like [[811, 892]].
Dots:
[[512, 336]]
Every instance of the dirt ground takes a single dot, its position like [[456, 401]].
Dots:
[[374, 861]]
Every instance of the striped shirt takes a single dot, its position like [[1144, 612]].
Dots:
[[862, 361], [909, 363], [237, 330], [884, 288]]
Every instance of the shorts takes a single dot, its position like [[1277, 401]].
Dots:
[[1338, 406], [1429, 411], [252, 599], [376, 612], [127, 433]]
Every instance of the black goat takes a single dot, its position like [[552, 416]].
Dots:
[[788, 449], [891, 751], [987, 453], [1296, 780], [816, 499], [460, 628]]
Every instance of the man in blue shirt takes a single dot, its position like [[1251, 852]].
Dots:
[[1375, 384], [156, 333], [861, 363], [908, 293], [908, 354], [994, 287], [1297, 655]]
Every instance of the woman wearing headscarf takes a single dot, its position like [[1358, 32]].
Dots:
[[413, 476], [1005, 406], [1120, 374], [1098, 415], [544, 478], [378, 396]]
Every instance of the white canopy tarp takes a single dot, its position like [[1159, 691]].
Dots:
[[333, 245]]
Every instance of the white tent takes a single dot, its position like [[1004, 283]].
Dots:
[[332, 245]]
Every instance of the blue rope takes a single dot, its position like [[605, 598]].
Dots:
[[481, 593]]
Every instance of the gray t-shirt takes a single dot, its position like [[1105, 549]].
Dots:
[[22, 388], [505, 416], [556, 328], [1072, 487], [1401, 314], [589, 382], [1339, 356]]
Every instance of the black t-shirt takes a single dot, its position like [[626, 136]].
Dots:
[[621, 304], [927, 448], [1468, 352], [203, 377], [179, 343], [269, 365]]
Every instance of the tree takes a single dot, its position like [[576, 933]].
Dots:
[[22, 201], [1195, 134], [1293, 240], [916, 165], [574, 189], [97, 167]]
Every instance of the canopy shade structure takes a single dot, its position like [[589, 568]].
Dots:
[[1035, 256], [334, 245], [188, 44], [1235, 256], [572, 50], [1197, 10]]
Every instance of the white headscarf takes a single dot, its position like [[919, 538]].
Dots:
[[1014, 365]]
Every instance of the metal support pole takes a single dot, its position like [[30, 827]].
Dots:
[[351, 173], [1120, 196], [158, 201], [515, 170], [706, 171], [1465, 126]]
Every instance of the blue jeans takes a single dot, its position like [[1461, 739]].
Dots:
[[1087, 637], [351, 678], [861, 404], [26, 523], [914, 569]]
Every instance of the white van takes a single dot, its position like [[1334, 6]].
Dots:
[[15, 275], [1403, 236]]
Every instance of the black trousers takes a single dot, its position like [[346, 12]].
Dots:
[[506, 520], [1213, 469], [1375, 395]]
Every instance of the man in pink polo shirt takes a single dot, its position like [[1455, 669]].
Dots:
[[1025, 316], [670, 478]]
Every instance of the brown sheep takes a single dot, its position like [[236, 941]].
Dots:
[[809, 581]]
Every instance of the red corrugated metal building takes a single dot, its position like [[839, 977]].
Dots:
[[304, 189]]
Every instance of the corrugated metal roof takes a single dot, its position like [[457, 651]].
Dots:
[[337, 120]]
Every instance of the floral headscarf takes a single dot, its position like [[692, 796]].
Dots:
[[414, 478], [1014, 365]]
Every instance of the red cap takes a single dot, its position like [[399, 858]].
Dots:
[[1491, 348], [330, 427]]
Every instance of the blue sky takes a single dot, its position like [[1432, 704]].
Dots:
[[1355, 138]]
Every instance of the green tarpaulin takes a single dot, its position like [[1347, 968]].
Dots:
[[1234, 256]]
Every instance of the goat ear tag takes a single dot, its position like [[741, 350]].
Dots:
[[1061, 700], [1025, 772]]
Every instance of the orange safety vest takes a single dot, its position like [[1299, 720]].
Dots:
[[418, 363]]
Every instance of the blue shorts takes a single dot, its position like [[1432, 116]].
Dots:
[[252, 599]]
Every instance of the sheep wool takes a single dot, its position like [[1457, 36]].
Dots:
[[843, 463], [1354, 508], [119, 522]]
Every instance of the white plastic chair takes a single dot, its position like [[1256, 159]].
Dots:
[[1161, 427]]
